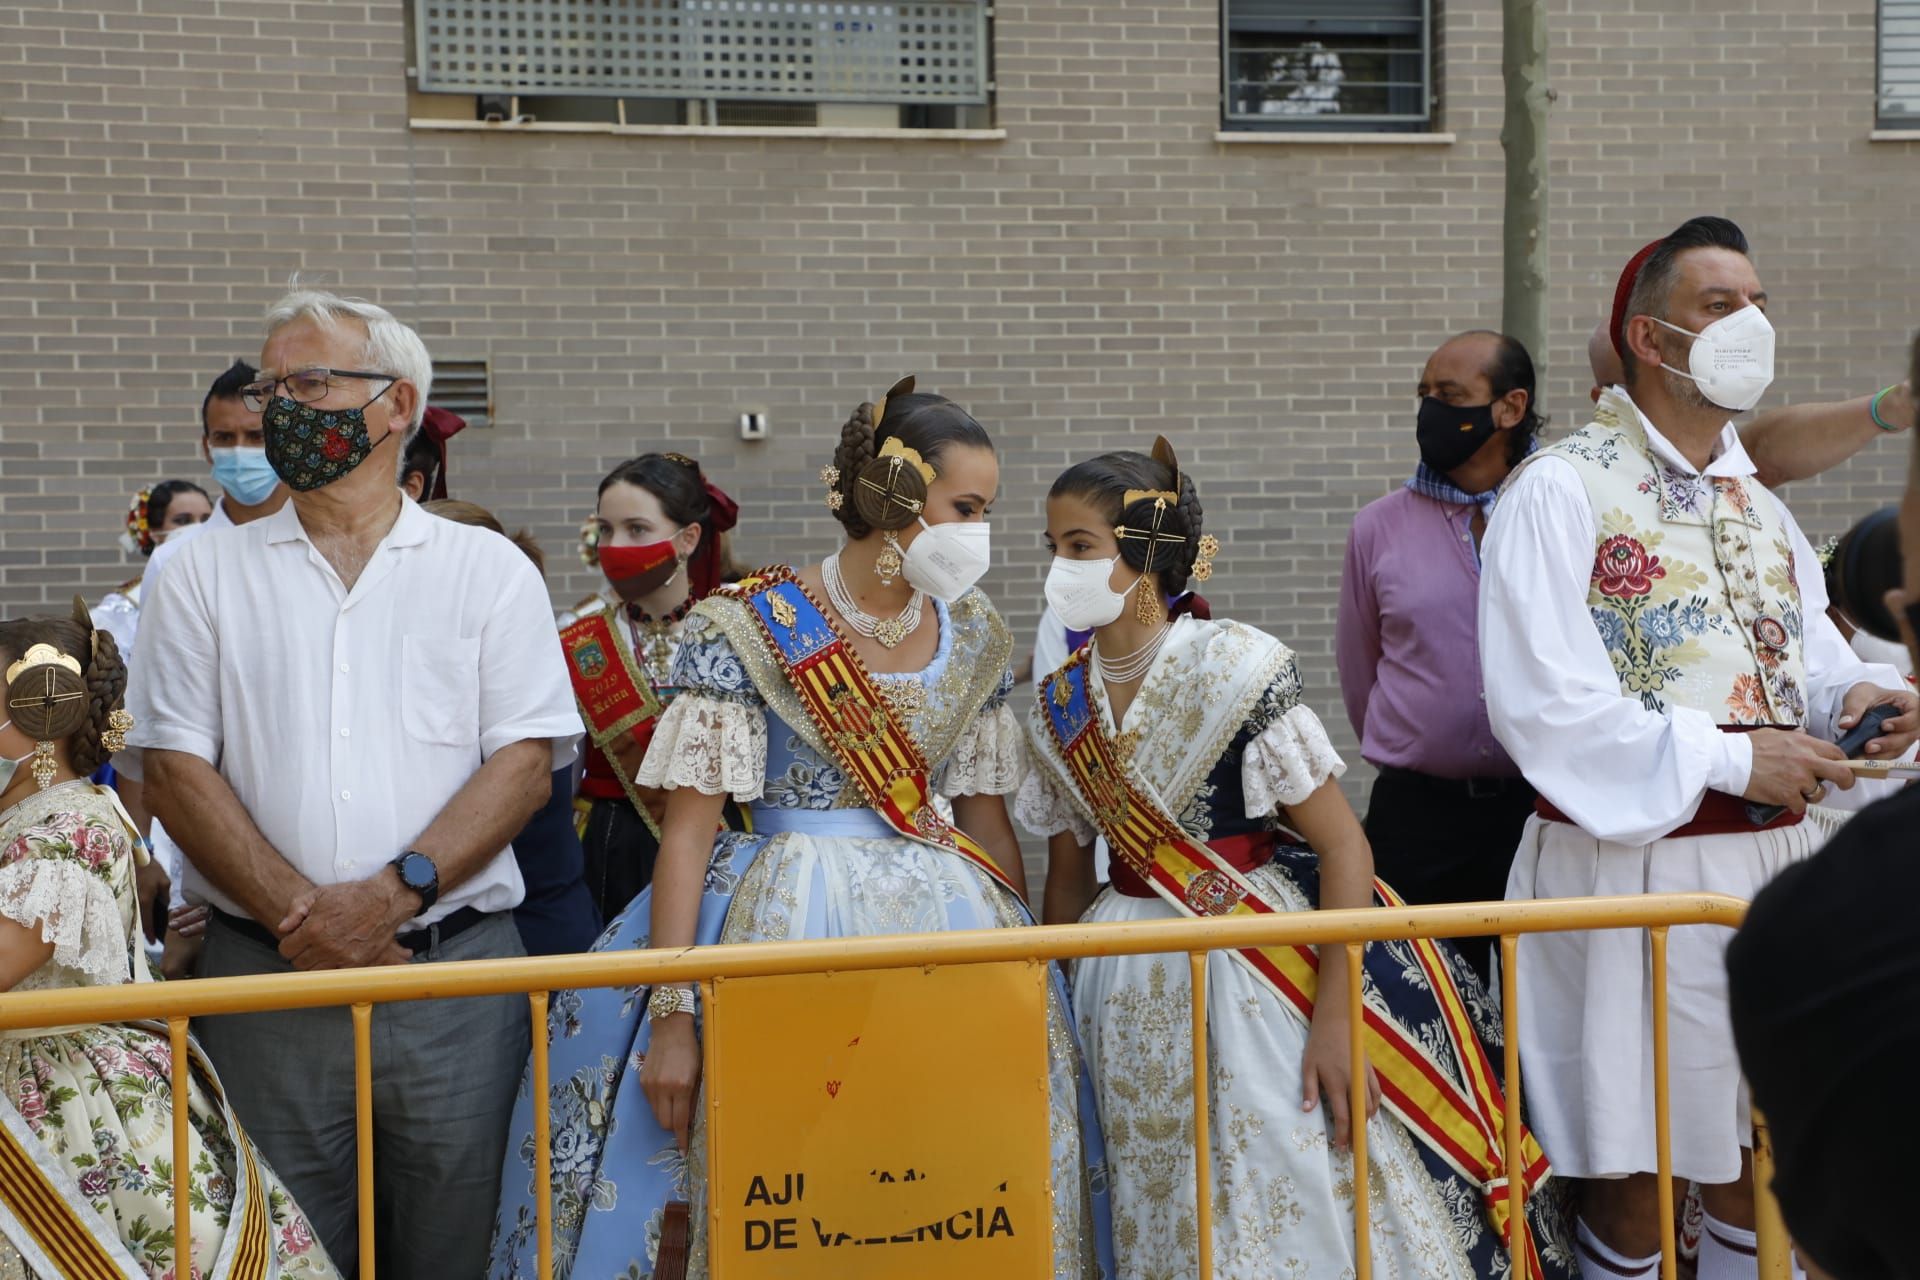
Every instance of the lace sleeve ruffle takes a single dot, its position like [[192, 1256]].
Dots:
[[710, 744], [991, 757], [74, 909], [1042, 808], [1287, 762]]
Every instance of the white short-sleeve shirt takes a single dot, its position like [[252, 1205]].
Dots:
[[346, 720]]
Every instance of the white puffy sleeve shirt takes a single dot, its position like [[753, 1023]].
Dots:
[[1620, 771], [346, 720]]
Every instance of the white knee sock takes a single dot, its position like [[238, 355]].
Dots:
[[1727, 1253], [1598, 1261]]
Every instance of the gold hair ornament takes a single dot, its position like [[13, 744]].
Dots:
[[114, 740], [1203, 562], [42, 655], [830, 477]]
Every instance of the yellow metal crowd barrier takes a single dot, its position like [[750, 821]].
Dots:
[[360, 989]]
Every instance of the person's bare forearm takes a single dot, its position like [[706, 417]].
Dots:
[[211, 826], [1070, 881], [488, 812], [133, 795], [680, 872], [985, 819], [1797, 442]]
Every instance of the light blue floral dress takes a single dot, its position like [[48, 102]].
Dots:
[[817, 864]]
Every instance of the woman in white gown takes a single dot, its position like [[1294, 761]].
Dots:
[[1185, 743]]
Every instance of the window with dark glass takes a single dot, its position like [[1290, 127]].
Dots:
[[1899, 72], [1339, 65]]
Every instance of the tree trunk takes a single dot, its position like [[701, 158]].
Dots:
[[1523, 63]]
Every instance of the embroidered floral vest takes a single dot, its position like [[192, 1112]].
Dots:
[[1693, 590]]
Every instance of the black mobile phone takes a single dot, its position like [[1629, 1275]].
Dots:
[[1852, 745]]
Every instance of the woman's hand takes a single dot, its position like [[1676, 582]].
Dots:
[[670, 1074], [1324, 1071]]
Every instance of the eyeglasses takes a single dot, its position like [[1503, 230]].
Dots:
[[310, 385]]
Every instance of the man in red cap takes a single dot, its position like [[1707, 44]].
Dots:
[[1657, 654], [1792, 442]]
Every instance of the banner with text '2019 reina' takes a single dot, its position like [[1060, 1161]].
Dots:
[[880, 1124]]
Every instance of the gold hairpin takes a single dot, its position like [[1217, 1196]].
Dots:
[[42, 655]]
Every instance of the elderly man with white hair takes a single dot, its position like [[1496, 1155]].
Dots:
[[346, 710]]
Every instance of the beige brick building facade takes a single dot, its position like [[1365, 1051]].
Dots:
[[1106, 270]]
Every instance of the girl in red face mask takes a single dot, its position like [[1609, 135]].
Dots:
[[658, 533]]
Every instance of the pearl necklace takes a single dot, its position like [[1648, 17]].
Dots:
[[1130, 667], [888, 631]]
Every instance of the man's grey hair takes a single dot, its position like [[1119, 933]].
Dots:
[[391, 347]]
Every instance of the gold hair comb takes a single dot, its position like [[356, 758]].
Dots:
[[1141, 495], [42, 655], [906, 453]]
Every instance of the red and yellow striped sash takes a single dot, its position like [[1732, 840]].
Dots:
[[859, 726], [1464, 1126]]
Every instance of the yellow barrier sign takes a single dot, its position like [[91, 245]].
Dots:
[[880, 1124]]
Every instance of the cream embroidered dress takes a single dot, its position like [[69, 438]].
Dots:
[[817, 864], [93, 1105], [1219, 732]]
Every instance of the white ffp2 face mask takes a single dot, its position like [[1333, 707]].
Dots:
[[947, 559], [1078, 592], [10, 767], [1731, 360]]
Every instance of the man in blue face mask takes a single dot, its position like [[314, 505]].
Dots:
[[232, 442]]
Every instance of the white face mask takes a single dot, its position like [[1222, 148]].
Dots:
[[1078, 592], [947, 559], [1731, 360], [10, 767]]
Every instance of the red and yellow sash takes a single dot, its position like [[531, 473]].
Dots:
[[53, 1219], [615, 698], [1465, 1126], [858, 725]]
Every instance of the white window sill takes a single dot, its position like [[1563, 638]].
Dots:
[[1894, 135], [708, 131], [1297, 137]]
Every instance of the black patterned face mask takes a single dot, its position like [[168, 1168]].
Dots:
[[310, 447]]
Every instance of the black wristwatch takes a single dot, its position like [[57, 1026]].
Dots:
[[418, 873]]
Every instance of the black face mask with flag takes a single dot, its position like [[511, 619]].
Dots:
[[1450, 434]]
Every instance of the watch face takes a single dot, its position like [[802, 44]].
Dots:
[[417, 871]]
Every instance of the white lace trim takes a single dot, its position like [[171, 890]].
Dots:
[[75, 911], [710, 745], [1288, 762], [991, 757], [1040, 807]]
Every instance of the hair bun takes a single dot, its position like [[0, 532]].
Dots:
[[48, 700], [890, 492]]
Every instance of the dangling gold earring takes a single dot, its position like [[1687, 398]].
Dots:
[[1203, 563], [1146, 609], [830, 477], [43, 767], [887, 565]]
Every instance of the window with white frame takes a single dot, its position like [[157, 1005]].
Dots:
[[1345, 65], [709, 61], [1899, 72]]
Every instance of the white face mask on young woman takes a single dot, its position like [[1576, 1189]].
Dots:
[[947, 559], [10, 767], [1079, 593], [1731, 360]]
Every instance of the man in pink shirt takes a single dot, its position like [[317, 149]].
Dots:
[[1448, 805]]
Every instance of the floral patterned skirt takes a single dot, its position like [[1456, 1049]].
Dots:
[[1282, 1196], [614, 1168], [99, 1100]]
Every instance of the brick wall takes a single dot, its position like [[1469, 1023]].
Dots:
[[1106, 272]]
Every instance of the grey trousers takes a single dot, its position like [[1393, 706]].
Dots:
[[444, 1077]]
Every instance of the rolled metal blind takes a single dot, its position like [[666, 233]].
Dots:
[[1900, 62]]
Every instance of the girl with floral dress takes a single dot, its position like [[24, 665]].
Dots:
[[86, 1146]]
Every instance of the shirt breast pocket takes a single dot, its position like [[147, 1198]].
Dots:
[[440, 690]]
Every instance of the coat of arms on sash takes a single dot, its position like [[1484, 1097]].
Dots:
[[858, 723], [589, 659]]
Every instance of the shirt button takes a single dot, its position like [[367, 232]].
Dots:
[[348, 733], [1484, 752], [348, 795], [343, 666]]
